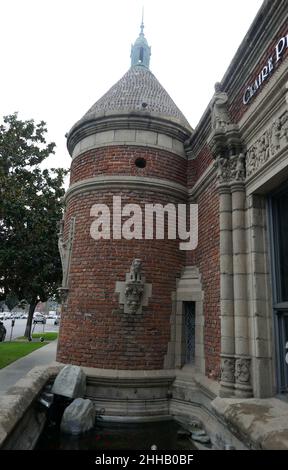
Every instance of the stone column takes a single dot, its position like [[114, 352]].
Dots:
[[261, 318], [226, 144], [242, 357], [227, 293]]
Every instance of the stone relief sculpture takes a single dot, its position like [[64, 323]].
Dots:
[[135, 288], [269, 144], [242, 371], [65, 249], [227, 370], [237, 167], [219, 114], [134, 293], [275, 136], [135, 269], [221, 164], [284, 127], [230, 169], [263, 148]]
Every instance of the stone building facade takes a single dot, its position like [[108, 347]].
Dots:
[[198, 333]]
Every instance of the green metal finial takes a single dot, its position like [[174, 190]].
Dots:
[[140, 51]]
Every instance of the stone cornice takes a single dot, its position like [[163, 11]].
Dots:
[[265, 26], [134, 120], [269, 19], [130, 183], [265, 104], [131, 138]]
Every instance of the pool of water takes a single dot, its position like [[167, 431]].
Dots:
[[117, 437]]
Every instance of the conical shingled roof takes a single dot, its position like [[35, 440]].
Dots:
[[137, 90]]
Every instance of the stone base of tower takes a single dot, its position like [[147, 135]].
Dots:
[[184, 395], [130, 396]]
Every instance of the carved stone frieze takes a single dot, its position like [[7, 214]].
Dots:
[[268, 145]]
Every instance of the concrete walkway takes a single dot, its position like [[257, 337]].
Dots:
[[11, 374]]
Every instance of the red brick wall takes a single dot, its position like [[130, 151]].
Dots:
[[196, 167], [120, 160], [238, 108], [206, 257], [94, 331]]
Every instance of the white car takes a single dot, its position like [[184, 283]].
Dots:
[[39, 319]]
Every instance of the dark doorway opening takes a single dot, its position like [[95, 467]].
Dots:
[[189, 322], [278, 215]]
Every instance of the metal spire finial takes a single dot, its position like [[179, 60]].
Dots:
[[142, 23], [140, 50]]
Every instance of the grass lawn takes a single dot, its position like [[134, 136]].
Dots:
[[11, 351], [47, 336]]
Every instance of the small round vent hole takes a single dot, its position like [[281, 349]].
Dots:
[[140, 162]]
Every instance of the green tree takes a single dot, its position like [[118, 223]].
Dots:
[[31, 204]]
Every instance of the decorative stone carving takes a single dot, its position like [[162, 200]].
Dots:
[[228, 369], [134, 293], [222, 174], [268, 145], [231, 169], [242, 371], [219, 114], [225, 140], [238, 171], [135, 270], [65, 249]]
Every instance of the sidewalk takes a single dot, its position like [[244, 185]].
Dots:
[[11, 374]]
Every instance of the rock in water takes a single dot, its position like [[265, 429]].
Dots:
[[203, 439], [78, 417], [70, 382], [199, 432]]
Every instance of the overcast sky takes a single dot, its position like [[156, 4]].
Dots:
[[60, 56]]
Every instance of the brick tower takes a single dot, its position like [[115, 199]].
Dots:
[[117, 291]]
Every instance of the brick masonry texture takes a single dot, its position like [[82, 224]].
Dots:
[[94, 330], [206, 257], [120, 160], [197, 166]]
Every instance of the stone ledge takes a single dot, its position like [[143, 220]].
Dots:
[[16, 401], [129, 137], [261, 423], [129, 378], [127, 183]]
